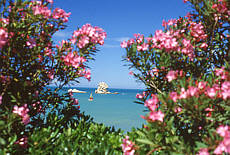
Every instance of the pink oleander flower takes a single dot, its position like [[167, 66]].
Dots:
[[193, 91], [75, 101], [143, 47], [50, 1], [83, 41], [3, 37], [61, 14], [4, 21], [23, 113], [177, 109], [209, 110], [139, 96], [128, 146], [88, 34], [169, 22], [223, 130], [87, 75], [156, 116], [73, 60], [219, 71], [225, 90], [171, 75], [124, 44], [23, 142], [197, 31], [211, 92], [167, 41], [224, 145], [202, 85], [41, 10], [203, 151], [183, 94], [174, 96], [221, 7], [0, 99], [152, 103]]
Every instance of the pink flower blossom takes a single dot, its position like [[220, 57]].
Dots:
[[61, 14], [124, 44], [219, 71], [173, 96], [193, 91], [152, 103], [75, 101], [171, 75], [224, 145], [225, 87], [88, 34], [3, 37], [84, 40], [211, 92], [0, 99], [143, 47], [41, 10], [73, 60], [128, 146], [223, 130], [50, 1], [184, 94], [203, 151], [139, 96], [202, 85], [197, 31], [209, 110], [178, 110], [156, 116], [88, 75], [23, 113]]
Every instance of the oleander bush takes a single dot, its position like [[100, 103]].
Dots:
[[35, 119], [185, 68]]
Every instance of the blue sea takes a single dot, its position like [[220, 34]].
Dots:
[[118, 110]]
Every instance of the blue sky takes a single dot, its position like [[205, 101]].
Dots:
[[120, 19]]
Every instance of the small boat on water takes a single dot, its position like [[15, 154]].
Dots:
[[91, 97]]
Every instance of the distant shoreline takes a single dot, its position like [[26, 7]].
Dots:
[[96, 88]]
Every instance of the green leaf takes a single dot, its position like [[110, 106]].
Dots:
[[2, 141], [201, 145], [145, 141]]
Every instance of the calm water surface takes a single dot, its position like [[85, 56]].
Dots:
[[118, 110]]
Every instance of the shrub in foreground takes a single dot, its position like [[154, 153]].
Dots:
[[185, 68], [33, 118]]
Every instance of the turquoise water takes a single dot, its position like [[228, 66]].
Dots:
[[118, 110]]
